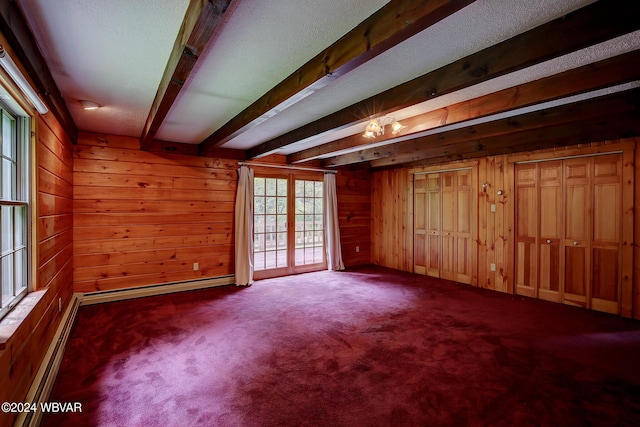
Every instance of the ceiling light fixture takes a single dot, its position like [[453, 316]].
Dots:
[[376, 127], [89, 105], [20, 80]]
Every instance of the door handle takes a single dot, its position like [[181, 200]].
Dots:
[[548, 240], [575, 243]]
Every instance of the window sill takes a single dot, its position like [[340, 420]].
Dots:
[[10, 324]]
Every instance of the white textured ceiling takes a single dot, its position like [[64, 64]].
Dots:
[[114, 52]]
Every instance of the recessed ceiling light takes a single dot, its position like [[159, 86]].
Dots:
[[89, 105]]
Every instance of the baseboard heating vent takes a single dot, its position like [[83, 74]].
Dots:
[[46, 375], [99, 297]]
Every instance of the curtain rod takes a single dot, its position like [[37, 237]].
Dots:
[[267, 165]]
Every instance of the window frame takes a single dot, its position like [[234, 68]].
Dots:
[[21, 135]]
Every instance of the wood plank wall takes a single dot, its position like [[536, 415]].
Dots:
[[143, 218], [23, 353], [391, 222], [353, 189]]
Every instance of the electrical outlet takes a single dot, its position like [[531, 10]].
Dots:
[[493, 267], [357, 248], [493, 208], [59, 305], [196, 266]]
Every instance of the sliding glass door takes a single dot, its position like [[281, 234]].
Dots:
[[288, 226]]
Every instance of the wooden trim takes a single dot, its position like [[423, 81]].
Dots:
[[636, 232], [587, 26], [201, 20], [392, 24], [628, 207], [611, 147]]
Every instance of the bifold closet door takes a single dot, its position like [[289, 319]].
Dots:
[[569, 232], [606, 246], [443, 243], [427, 224]]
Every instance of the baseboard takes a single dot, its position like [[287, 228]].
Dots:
[[100, 297], [46, 375]]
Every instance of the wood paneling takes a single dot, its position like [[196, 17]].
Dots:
[[145, 218], [354, 216], [496, 215], [52, 259]]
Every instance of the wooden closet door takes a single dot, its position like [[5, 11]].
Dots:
[[526, 218], [448, 225], [550, 230], [463, 226], [607, 233], [577, 231], [419, 223], [433, 211]]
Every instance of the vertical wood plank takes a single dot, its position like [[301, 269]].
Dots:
[[482, 261]]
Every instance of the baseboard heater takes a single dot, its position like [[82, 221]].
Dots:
[[45, 377], [99, 297]]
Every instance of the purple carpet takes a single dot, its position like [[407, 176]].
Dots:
[[367, 347]]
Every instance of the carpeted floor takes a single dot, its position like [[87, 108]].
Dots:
[[367, 347]]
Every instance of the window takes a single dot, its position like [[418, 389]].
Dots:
[[14, 208], [288, 231]]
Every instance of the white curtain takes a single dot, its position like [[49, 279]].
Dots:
[[244, 227], [331, 227]]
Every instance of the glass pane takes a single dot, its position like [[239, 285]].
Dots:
[[299, 205], [299, 256], [299, 188], [20, 270], [282, 240], [20, 228], [270, 223], [309, 189], [308, 206], [318, 205], [308, 222], [282, 187], [8, 142], [299, 222], [318, 238], [7, 277], [258, 186], [282, 223], [308, 238], [270, 259], [258, 261], [270, 242], [8, 180], [258, 224], [7, 228], [258, 243], [258, 205], [319, 187], [271, 205], [282, 259], [282, 205], [299, 239], [270, 186], [318, 251], [317, 225]]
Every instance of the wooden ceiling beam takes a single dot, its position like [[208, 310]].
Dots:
[[587, 26], [483, 135], [593, 76], [199, 25], [605, 128], [392, 24]]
